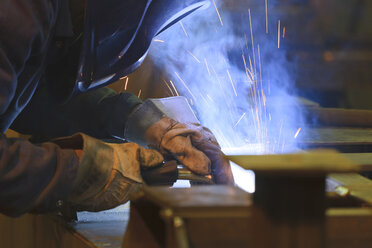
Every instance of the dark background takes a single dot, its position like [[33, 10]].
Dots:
[[328, 41]]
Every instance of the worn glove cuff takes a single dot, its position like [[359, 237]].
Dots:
[[151, 111], [90, 179], [140, 120]]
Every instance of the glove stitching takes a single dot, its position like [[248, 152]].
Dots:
[[172, 124]]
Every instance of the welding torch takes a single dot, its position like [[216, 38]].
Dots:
[[169, 172]]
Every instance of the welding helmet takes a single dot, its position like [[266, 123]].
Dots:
[[118, 33]]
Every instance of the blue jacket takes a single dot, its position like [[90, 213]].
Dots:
[[39, 47]]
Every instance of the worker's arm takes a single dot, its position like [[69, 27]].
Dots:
[[25, 28], [34, 178], [39, 178], [43, 178], [100, 113], [104, 114], [31, 177], [108, 173]]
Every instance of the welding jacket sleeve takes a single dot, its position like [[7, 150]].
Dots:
[[100, 113], [34, 178]]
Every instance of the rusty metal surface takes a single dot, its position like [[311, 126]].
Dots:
[[35, 231], [105, 228], [343, 139], [204, 216], [315, 162], [363, 159], [349, 227], [334, 135], [354, 185], [199, 196]]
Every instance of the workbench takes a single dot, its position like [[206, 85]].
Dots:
[[108, 228], [102, 229]]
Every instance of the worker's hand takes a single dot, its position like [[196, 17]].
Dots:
[[107, 173], [193, 145], [170, 125]]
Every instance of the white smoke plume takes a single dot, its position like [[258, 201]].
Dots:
[[236, 78]]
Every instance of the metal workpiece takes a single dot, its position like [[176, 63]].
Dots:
[[169, 172], [164, 174], [315, 162], [290, 198], [186, 174], [200, 216], [290, 207]]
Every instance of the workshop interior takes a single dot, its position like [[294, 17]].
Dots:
[[284, 85]]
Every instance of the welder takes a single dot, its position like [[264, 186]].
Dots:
[[55, 58]]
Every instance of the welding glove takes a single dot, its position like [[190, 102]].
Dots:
[[107, 173], [169, 125]]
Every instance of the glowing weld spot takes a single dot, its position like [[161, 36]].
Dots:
[[296, 134]]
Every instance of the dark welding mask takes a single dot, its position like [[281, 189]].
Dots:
[[118, 33]]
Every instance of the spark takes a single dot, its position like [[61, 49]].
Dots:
[[184, 84], [250, 65], [278, 33], [263, 97], [283, 145], [280, 132], [250, 78], [206, 64], [139, 93], [125, 83], [158, 40], [168, 87], [174, 87], [232, 83], [205, 100], [267, 24], [254, 121], [223, 59], [258, 119], [298, 131], [239, 120], [193, 56], [251, 70], [259, 63], [254, 87], [223, 92], [218, 13], [283, 32], [184, 30], [210, 98], [262, 91], [191, 102], [259, 125], [250, 24]]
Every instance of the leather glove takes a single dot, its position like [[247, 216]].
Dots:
[[192, 144], [107, 173]]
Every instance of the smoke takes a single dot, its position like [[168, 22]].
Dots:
[[237, 80]]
